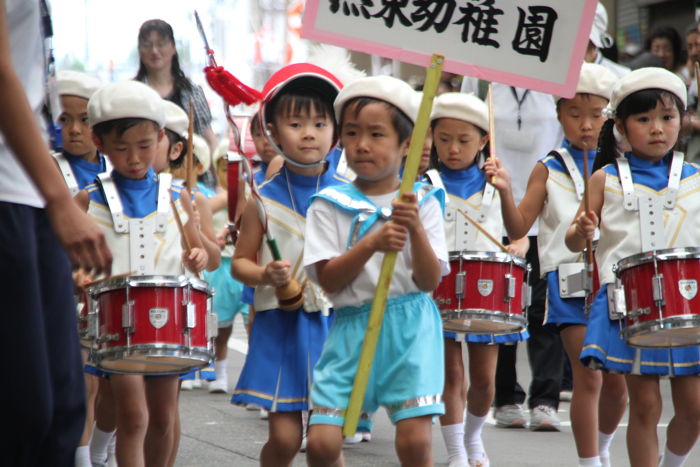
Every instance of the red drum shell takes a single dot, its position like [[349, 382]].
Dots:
[[160, 341], [483, 309], [676, 322]]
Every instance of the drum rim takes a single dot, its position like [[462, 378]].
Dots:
[[200, 284], [487, 256], [655, 325], [202, 354], [666, 254], [519, 320], [116, 283]]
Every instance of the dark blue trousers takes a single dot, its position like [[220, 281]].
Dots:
[[42, 393]]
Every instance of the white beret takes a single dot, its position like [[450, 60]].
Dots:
[[126, 99], [648, 78], [201, 151], [75, 83], [176, 119], [383, 88], [599, 34], [221, 151], [596, 80], [461, 106], [415, 105]]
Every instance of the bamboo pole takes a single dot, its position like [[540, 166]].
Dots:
[[376, 314]]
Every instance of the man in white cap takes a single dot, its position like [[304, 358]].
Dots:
[[600, 39]]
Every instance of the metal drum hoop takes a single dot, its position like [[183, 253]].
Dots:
[[655, 256], [488, 256]]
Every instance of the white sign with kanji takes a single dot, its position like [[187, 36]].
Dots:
[[534, 44]]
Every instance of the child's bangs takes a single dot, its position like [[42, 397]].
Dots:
[[401, 122], [302, 104], [646, 100]]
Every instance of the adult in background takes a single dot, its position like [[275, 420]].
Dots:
[[599, 40], [666, 43], [43, 417], [159, 68]]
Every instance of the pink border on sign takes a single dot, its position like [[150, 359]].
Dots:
[[567, 89]]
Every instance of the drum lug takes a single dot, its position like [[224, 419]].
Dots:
[[510, 287], [657, 282], [191, 316], [212, 325], [617, 308], [527, 295], [460, 281], [128, 315], [93, 324]]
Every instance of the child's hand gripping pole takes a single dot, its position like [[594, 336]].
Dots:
[[376, 314], [588, 284], [289, 296]]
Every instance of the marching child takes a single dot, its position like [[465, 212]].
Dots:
[[553, 192], [349, 228], [297, 113], [459, 129], [650, 182], [127, 120], [79, 160]]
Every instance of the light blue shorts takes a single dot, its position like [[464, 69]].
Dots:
[[408, 372], [227, 294]]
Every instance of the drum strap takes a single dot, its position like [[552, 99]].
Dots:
[[67, 172], [486, 196], [116, 208], [574, 173], [649, 207]]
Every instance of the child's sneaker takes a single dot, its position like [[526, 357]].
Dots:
[[366, 437], [354, 439], [264, 414], [219, 386], [483, 462], [187, 385]]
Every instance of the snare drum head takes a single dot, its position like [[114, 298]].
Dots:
[[660, 255], [136, 281], [488, 256]]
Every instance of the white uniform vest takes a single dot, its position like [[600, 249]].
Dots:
[[162, 250], [620, 228], [560, 207], [287, 227], [460, 233]]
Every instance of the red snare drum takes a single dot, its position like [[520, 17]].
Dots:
[[483, 293], [153, 324], [661, 288]]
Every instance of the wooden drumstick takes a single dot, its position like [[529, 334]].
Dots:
[[180, 227], [190, 176], [697, 82], [116, 276], [589, 243], [492, 129], [483, 231]]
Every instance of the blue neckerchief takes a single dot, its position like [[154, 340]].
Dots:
[[652, 174], [139, 197], [85, 172], [350, 199], [302, 188], [463, 183], [259, 173]]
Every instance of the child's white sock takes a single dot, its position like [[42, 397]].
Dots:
[[220, 369], [475, 447], [82, 457], [589, 461], [98, 444], [454, 441], [672, 460], [604, 442]]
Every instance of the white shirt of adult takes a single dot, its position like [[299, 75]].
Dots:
[[326, 236], [520, 147], [619, 70], [27, 48]]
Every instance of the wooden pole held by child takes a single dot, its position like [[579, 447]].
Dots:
[[376, 314], [190, 176]]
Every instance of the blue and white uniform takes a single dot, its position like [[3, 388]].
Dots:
[[619, 238], [143, 204], [77, 172], [407, 375], [564, 188], [467, 191], [285, 345]]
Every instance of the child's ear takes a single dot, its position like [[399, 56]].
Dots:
[[175, 150], [403, 147], [272, 132], [484, 140], [97, 141], [620, 127], [161, 134]]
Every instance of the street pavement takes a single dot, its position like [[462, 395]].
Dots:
[[217, 433]]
